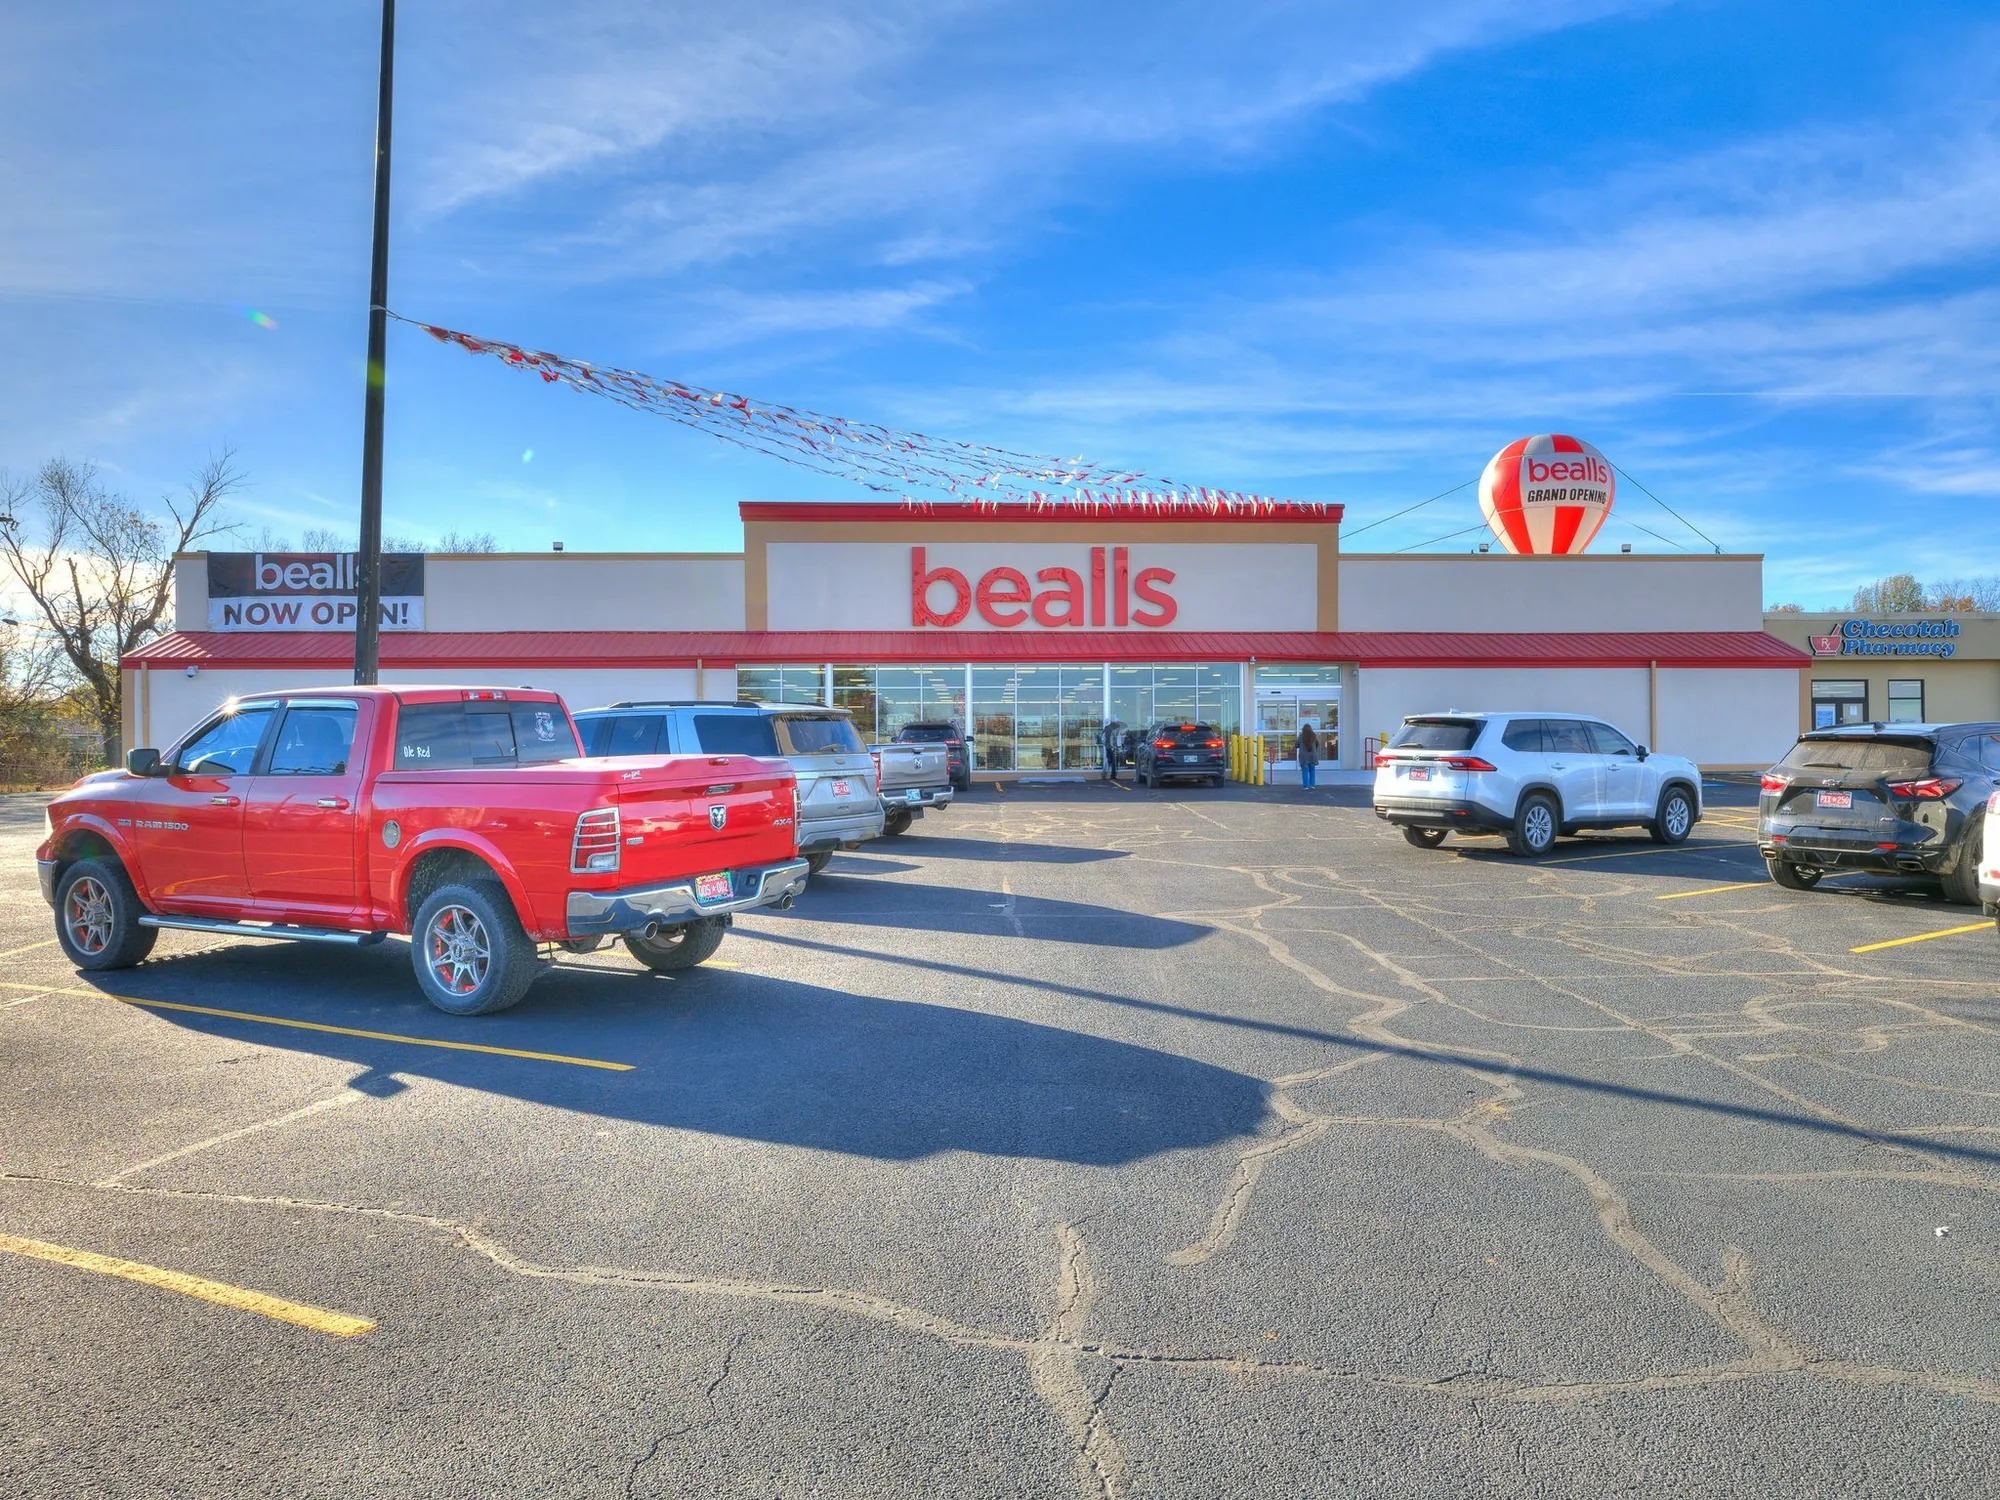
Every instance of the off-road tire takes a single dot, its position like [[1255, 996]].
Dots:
[[1536, 824], [1961, 881], [682, 948], [1793, 877], [496, 958], [818, 860], [1674, 819], [896, 824], [1424, 838], [107, 932]]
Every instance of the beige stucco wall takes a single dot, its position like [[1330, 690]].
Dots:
[[1498, 592], [1963, 686]]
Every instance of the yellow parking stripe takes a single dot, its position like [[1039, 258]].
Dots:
[[338, 1325], [1713, 890], [1922, 937], [373, 1036], [1689, 848], [30, 948]]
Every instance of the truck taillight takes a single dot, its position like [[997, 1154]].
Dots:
[[595, 848], [1771, 781], [483, 695]]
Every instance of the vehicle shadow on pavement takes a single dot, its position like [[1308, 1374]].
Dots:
[[985, 914], [1007, 852], [736, 1055], [1441, 1057]]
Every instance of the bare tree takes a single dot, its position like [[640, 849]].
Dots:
[[326, 539], [99, 570], [1784, 609], [1964, 595]]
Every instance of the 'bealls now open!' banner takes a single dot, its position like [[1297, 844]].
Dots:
[[308, 591]]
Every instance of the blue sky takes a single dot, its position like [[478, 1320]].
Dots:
[[1327, 251]]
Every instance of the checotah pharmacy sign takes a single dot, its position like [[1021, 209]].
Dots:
[[1890, 638]]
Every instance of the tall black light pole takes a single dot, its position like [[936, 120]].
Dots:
[[368, 570]]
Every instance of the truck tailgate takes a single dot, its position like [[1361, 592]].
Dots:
[[700, 814], [907, 765]]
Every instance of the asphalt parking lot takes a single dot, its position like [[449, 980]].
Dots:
[[1089, 1142]]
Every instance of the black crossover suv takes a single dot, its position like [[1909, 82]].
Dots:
[[1888, 798], [1193, 751]]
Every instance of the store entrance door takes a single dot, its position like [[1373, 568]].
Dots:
[[1280, 712]]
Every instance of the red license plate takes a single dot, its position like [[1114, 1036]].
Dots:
[[713, 887], [1833, 799], [1418, 773]]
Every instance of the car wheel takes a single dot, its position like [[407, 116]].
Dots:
[[818, 860], [1961, 881], [1675, 818], [469, 950], [1535, 826], [1424, 838], [97, 917], [1793, 877], [678, 948], [896, 824]]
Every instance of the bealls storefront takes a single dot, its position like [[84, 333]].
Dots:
[[1031, 623]]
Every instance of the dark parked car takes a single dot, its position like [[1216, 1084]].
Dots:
[[958, 759], [1192, 751], [1891, 798]]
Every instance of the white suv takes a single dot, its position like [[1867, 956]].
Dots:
[[1530, 776]]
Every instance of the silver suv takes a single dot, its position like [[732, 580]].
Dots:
[[840, 802], [1529, 776]]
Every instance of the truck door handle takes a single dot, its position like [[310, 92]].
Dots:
[[334, 802], [221, 801]]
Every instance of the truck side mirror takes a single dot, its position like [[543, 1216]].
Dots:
[[143, 762]]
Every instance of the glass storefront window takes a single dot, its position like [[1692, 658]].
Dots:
[[782, 684], [1297, 674], [1906, 700], [1209, 694], [884, 699], [993, 690]]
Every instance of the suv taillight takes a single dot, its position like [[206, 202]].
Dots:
[[1467, 763], [876, 756], [1163, 744], [1213, 744], [1925, 789], [1383, 758], [1771, 781], [1993, 803], [594, 851]]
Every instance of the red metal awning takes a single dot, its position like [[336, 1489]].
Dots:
[[644, 648]]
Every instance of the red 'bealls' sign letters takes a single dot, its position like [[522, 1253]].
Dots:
[[1005, 599]]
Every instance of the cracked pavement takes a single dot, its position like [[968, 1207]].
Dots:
[[1084, 1143]]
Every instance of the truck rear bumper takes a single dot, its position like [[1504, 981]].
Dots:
[[916, 796], [599, 913]]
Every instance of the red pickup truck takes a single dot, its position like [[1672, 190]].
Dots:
[[464, 817]]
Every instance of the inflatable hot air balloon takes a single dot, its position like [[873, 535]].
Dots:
[[1546, 494]]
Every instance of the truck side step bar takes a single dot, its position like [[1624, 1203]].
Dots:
[[265, 930]]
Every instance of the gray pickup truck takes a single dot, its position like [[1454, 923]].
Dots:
[[915, 779], [839, 807]]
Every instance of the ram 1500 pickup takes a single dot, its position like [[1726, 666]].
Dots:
[[463, 817], [911, 780]]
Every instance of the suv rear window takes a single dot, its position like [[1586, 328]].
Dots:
[[462, 736], [747, 733], [1437, 734], [1189, 734], [1873, 755], [817, 734]]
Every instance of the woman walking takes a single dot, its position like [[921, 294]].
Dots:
[[1308, 756]]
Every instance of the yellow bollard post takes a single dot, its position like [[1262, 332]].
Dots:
[[1260, 760]]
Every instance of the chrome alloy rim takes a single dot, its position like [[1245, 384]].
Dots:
[[1677, 816], [1540, 827], [87, 915], [458, 951]]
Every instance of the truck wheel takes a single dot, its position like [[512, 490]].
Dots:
[[97, 917], [817, 861], [1793, 877], [680, 948], [1424, 838], [1675, 818], [469, 951], [896, 824], [1535, 826]]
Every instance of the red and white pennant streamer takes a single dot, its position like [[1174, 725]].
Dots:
[[880, 458]]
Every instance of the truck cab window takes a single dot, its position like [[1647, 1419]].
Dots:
[[228, 746], [314, 740]]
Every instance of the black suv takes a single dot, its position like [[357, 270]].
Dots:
[[1891, 798], [1196, 751], [957, 763]]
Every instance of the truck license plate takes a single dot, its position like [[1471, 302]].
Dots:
[[1833, 799], [914, 794], [713, 887], [1418, 773]]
